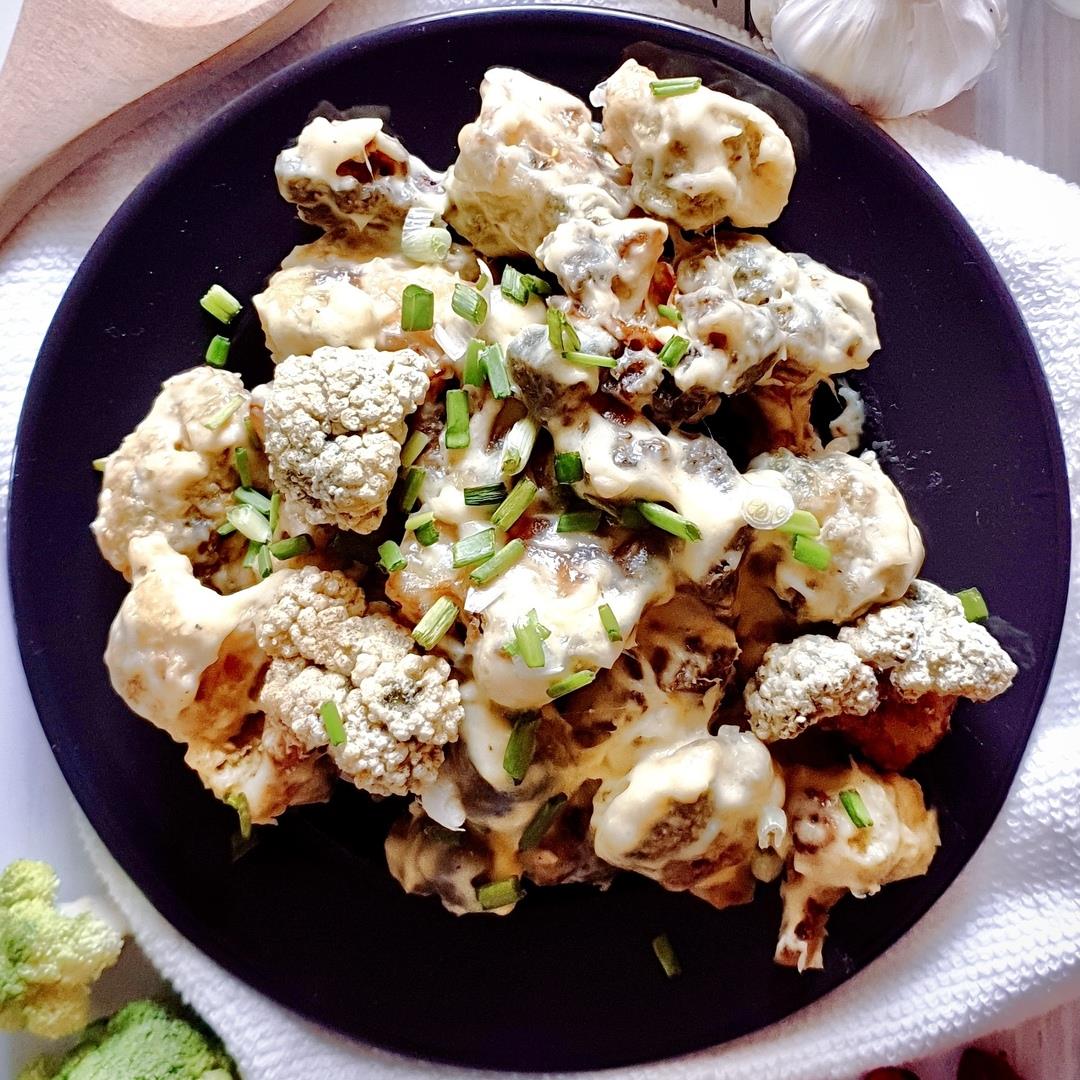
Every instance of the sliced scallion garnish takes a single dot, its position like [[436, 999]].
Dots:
[[249, 522], [541, 822], [251, 556], [852, 802], [518, 445], [497, 894], [414, 481], [472, 364], [673, 351], [494, 363], [224, 414], [427, 245], [474, 548], [252, 498], [568, 467], [609, 623], [485, 494], [263, 562], [418, 521], [570, 683], [672, 314], [811, 553], [469, 303], [975, 607], [331, 718], [801, 523], [685, 84], [630, 517], [417, 308], [220, 303], [521, 745], [391, 558], [513, 286], [275, 512], [217, 352], [414, 446], [501, 561], [561, 335], [291, 547], [514, 505], [226, 528], [665, 518], [243, 466], [530, 645], [665, 953], [438, 618], [99, 463], [578, 521], [457, 420], [427, 534], [238, 801], [584, 359]]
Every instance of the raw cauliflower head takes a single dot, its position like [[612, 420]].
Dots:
[[174, 475], [697, 159], [334, 424], [831, 856], [695, 817], [398, 709]]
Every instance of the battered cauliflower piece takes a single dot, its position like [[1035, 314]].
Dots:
[[174, 475], [696, 159], [831, 856], [531, 160], [695, 817], [186, 659], [876, 549], [398, 709], [334, 424], [927, 646], [803, 682]]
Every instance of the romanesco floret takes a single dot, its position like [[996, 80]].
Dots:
[[48, 960], [398, 709], [807, 680], [334, 423], [926, 644], [143, 1041]]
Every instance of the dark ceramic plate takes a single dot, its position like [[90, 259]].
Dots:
[[311, 916]]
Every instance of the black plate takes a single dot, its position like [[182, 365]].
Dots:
[[311, 916]]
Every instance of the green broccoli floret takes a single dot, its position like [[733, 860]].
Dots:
[[143, 1041], [48, 959]]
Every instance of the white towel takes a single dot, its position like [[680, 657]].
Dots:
[[1002, 945]]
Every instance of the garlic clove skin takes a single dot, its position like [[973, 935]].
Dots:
[[890, 57]]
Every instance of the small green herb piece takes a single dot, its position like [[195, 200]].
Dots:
[[427, 534], [263, 562], [251, 497], [852, 802], [665, 953], [495, 368], [530, 646], [275, 512], [610, 623], [568, 467], [801, 523], [497, 894], [217, 352], [665, 518], [514, 505], [221, 304], [430, 245], [570, 683], [238, 801], [501, 561], [561, 335], [99, 463], [223, 415], [293, 546], [521, 745], [414, 446], [673, 351], [249, 522], [226, 528], [542, 820], [472, 365], [331, 718], [513, 285], [457, 420], [630, 517], [811, 552], [578, 521], [672, 314], [585, 359], [438, 618], [518, 445], [974, 605], [675, 87], [417, 308], [414, 481], [391, 558], [243, 466], [485, 494], [418, 520], [469, 303], [251, 556], [473, 549]]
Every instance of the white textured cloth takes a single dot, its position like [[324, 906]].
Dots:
[[1002, 945]]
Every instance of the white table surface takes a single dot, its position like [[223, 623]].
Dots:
[[1027, 106]]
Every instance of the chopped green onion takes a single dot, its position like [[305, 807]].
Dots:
[[331, 718], [416, 521], [414, 481], [457, 420], [610, 623], [251, 556], [223, 415], [513, 285], [226, 528], [485, 494], [665, 953], [514, 505], [264, 563], [510, 648], [673, 351], [243, 466], [570, 683], [542, 820], [518, 445], [472, 368], [469, 303], [522, 742], [251, 497], [811, 552], [413, 448], [99, 463], [665, 518], [248, 521], [427, 534], [217, 352], [568, 468], [495, 368], [801, 523], [852, 802], [630, 517], [502, 560], [275, 512], [497, 894], [473, 549], [530, 646], [438, 618], [562, 336], [220, 303], [974, 605], [672, 314], [442, 835], [686, 84], [578, 521], [243, 811], [541, 629], [536, 285], [417, 308], [430, 245], [391, 558], [585, 359], [293, 546]]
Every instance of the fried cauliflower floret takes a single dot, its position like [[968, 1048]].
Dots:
[[805, 681], [398, 709], [696, 159], [174, 475], [187, 659], [831, 856], [927, 646], [334, 424], [696, 816]]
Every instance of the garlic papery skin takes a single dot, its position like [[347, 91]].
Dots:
[[889, 57]]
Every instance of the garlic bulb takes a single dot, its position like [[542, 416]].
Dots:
[[890, 57]]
